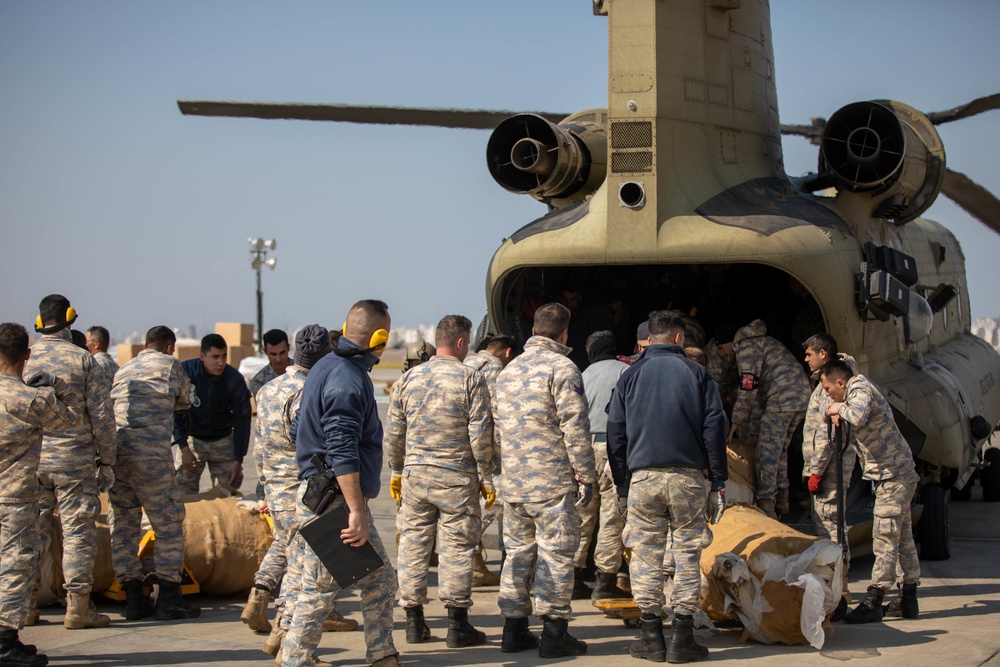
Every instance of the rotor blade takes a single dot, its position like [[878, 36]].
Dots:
[[477, 119], [974, 107], [974, 198]]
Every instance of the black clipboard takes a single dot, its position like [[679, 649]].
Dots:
[[345, 563]]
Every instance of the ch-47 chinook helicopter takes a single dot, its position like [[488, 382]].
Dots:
[[675, 195]]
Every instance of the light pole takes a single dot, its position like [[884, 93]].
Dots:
[[259, 258]]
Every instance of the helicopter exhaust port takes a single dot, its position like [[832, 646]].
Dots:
[[632, 194]]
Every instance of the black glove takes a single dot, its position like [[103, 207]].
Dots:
[[42, 379]]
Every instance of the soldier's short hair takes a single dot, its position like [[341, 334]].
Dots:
[[604, 336], [79, 338], [213, 340], [372, 307], [665, 324], [551, 320], [53, 309], [274, 337], [836, 370], [821, 342], [101, 335], [13, 342], [451, 328], [500, 342], [159, 337]]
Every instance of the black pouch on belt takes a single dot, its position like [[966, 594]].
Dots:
[[321, 489]]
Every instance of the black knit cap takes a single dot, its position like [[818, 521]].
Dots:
[[312, 343]]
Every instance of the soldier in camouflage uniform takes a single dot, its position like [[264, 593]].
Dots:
[[277, 470], [885, 460], [774, 386], [666, 446], [276, 348], [543, 429], [818, 452], [439, 446], [76, 462], [98, 340], [338, 421], [147, 391], [25, 411]]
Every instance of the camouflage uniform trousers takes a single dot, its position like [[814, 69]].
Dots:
[[75, 496], [541, 539], [608, 551], [892, 534], [436, 499], [145, 481], [824, 503], [18, 561], [274, 565], [319, 589], [218, 454], [666, 505], [771, 460]]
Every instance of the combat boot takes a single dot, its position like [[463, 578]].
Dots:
[[337, 623], [137, 604], [417, 631], [255, 611], [272, 645], [460, 631], [170, 605], [870, 609], [81, 612], [388, 661], [651, 645], [766, 505], [481, 575], [908, 601], [604, 587], [840, 611], [32, 616], [556, 641], [781, 506], [516, 636], [580, 590], [15, 654], [683, 647]]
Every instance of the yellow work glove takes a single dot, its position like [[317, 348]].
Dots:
[[488, 494], [396, 488]]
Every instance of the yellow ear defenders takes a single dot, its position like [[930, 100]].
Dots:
[[378, 341], [41, 328]]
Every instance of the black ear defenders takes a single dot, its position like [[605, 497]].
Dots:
[[42, 329]]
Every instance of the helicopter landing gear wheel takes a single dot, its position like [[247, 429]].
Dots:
[[934, 524], [990, 475]]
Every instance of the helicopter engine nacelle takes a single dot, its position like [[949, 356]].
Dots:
[[888, 151], [556, 164]]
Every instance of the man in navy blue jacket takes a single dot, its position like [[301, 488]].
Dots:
[[666, 445], [338, 420]]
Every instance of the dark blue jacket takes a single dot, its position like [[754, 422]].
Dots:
[[666, 411], [223, 408], [338, 419]]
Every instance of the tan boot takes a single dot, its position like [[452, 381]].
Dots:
[[481, 575], [313, 662], [32, 616], [255, 612], [81, 612], [388, 661], [273, 644], [766, 505], [337, 623]]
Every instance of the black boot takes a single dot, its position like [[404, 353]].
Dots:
[[651, 645], [604, 587], [556, 641], [16, 654], [170, 604], [908, 601], [580, 590], [840, 611], [417, 631], [683, 647], [137, 604], [460, 631], [516, 636], [870, 609]]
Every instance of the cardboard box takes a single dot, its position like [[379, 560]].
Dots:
[[235, 333], [128, 351], [185, 351], [238, 353]]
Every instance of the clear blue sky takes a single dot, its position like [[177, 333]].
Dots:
[[140, 215]]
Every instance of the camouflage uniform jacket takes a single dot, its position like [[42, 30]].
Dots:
[[542, 424], [147, 391], [107, 364], [817, 449], [768, 374], [260, 378], [883, 451], [274, 448], [24, 412], [70, 449], [488, 365], [439, 415]]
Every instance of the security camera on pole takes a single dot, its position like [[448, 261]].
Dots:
[[259, 258]]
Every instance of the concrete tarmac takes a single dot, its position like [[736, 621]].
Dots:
[[958, 624]]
